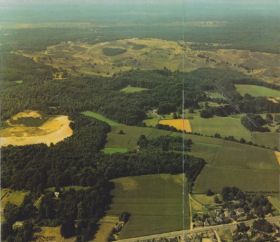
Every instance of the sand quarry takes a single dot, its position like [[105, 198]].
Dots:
[[53, 130], [179, 124]]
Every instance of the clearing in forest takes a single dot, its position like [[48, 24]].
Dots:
[[131, 89], [257, 91]]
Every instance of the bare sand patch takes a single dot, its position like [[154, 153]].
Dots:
[[179, 124], [54, 130], [273, 99]]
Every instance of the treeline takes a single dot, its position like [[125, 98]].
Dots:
[[164, 143], [222, 111], [149, 162], [254, 122]]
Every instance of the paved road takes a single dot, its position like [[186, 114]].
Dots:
[[182, 233]]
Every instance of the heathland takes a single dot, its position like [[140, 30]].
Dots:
[[109, 58]]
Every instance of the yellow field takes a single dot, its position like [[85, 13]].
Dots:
[[179, 124], [106, 226], [51, 234], [55, 129], [78, 58], [277, 154]]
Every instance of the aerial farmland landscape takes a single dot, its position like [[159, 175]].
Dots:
[[140, 121]]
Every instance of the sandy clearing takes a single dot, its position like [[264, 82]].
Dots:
[[179, 124], [53, 131], [272, 99], [27, 114], [277, 154]]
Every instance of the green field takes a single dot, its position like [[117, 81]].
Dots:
[[225, 126], [257, 91], [131, 135], [100, 117], [215, 95], [115, 150], [269, 139], [131, 89], [233, 164], [153, 200]]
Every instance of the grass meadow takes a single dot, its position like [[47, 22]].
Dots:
[[257, 91], [153, 200], [225, 126], [234, 164], [131, 89]]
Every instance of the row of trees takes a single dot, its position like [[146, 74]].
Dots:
[[254, 122]]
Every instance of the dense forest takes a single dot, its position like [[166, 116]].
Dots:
[[73, 95]]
